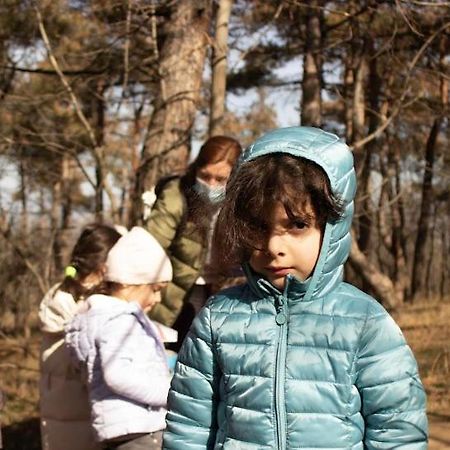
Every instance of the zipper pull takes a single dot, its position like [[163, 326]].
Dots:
[[280, 318]]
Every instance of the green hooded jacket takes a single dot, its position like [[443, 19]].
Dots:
[[183, 243]]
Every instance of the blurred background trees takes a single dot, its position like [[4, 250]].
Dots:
[[99, 99]]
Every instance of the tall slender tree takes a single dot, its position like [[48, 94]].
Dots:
[[219, 68], [181, 64]]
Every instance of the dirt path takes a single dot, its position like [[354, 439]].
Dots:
[[439, 434]]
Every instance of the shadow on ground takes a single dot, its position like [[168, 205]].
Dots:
[[22, 435]]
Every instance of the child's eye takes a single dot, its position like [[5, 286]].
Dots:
[[204, 177], [299, 224]]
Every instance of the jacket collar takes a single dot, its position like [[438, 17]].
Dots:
[[294, 288]]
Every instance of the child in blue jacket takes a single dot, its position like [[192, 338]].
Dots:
[[295, 358]]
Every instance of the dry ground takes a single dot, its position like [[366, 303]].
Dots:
[[426, 327]]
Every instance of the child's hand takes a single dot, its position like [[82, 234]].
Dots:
[[165, 333]]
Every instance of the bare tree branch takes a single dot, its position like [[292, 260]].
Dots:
[[63, 79], [399, 104], [434, 4], [53, 72], [6, 233], [406, 19]]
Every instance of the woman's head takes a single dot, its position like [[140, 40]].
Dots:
[[88, 258], [215, 160], [207, 176], [264, 185]]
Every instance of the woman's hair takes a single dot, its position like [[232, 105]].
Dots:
[[88, 256], [297, 183], [214, 150]]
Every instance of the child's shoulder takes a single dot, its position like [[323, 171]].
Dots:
[[56, 295], [106, 318], [355, 302], [103, 310], [56, 308]]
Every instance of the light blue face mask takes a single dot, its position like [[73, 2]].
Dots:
[[214, 194]]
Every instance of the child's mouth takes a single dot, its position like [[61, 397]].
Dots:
[[279, 271]]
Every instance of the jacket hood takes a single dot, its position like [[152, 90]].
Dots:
[[56, 309], [336, 159]]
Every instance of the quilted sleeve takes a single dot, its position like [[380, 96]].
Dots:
[[191, 419], [166, 215], [393, 398], [76, 341]]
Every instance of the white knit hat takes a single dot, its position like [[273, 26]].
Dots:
[[138, 258]]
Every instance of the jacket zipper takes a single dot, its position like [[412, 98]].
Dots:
[[280, 373]]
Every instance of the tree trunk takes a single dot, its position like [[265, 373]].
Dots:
[[182, 59], [348, 100], [390, 206], [6, 75], [219, 68], [425, 217], [311, 102], [24, 226], [356, 73], [399, 212], [99, 108], [363, 154], [398, 240], [445, 259], [431, 274], [55, 225], [381, 285], [62, 215]]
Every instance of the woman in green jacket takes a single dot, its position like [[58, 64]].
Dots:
[[182, 220]]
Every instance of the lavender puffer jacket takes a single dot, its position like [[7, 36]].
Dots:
[[126, 367]]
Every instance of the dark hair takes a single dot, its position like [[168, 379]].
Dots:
[[89, 255], [214, 150], [106, 288], [295, 182]]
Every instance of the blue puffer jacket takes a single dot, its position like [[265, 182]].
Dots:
[[319, 365]]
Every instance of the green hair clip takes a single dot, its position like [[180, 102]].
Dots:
[[70, 271]]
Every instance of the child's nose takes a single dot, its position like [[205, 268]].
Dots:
[[275, 245]]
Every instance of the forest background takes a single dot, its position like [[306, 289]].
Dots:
[[99, 99]]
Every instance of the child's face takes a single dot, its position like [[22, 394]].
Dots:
[[149, 295], [291, 247]]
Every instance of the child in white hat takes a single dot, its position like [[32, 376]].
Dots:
[[121, 348]]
